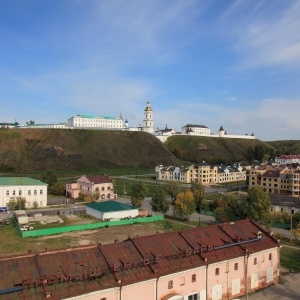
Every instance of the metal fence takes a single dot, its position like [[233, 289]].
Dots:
[[57, 230]]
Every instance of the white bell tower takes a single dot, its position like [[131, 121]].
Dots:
[[148, 119]]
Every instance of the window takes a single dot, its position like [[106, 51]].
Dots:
[[108, 188], [255, 261], [194, 278], [14, 193], [7, 193], [103, 299], [182, 281], [193, 297], [35, 192], [29, 192], [170, 284], [102, 189], [270, 256], [236, 266], [217, 271], [41, 192], [20, 193]]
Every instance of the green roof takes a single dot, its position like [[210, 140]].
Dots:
[[20, 181], [108, 206], [92, 117]]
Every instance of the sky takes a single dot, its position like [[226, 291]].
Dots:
[[205, 62]]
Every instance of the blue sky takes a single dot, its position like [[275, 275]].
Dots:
[[230, 63]]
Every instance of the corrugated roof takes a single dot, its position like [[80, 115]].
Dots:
[[20, 181], [98, 267], [110, 205]]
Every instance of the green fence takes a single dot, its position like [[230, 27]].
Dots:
[[281, 226], [206, 212], [57, 230]]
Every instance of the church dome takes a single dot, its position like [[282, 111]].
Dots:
[[148, 108]]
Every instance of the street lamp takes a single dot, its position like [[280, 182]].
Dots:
[[292, 212]]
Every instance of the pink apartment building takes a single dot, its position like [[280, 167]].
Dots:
[[88, 185], [222, 261]]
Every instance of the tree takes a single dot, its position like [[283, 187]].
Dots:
[[11, 205], [173, 189], [49, 177], [185, 204], [96, 194], [258, 205], [198, 191], [31, 122], [159, 202], [228, 209], [35, 205], [138, 193], [20, 203], [57, 189], [250, 154]]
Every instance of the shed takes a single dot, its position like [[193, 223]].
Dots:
[[111, 210]]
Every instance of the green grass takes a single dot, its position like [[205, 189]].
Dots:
[[290, 259]]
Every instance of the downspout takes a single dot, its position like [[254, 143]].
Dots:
[[206, 282], [246, 256], [156, 288]]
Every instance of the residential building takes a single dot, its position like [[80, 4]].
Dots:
[[221, 261], [275, 180], [32, 190], [287, 160], [89, 185], [202, 173]]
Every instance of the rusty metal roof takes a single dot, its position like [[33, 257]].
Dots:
[[76, 271]]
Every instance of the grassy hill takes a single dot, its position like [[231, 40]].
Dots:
[[212, 149], [32, 150], [38, 150]]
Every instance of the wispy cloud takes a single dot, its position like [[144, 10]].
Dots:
[[265, 36]]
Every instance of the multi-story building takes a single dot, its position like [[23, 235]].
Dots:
[[221, 261], [32, 190], [287, 160], [88, 185], [202, 173], [192, 129], [94, 122], [277, 181]]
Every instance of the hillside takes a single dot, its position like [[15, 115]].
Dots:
[[33, 150], [213, 149], [291, 147], [28, 150]]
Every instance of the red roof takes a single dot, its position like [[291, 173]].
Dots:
[[99, 179], [86, 269]]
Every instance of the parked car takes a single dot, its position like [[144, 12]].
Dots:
[[26, 227], [7, 222], [1, 224]]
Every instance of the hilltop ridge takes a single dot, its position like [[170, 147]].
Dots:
[[33, 150]]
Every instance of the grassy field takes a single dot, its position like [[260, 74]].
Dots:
[[290, 259], [12, 243]]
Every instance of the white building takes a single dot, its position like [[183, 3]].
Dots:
[[12, 188], [287, 159], [192, 129], [111, 210], [90, 122]]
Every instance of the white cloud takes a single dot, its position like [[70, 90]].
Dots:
[[266, 34]]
